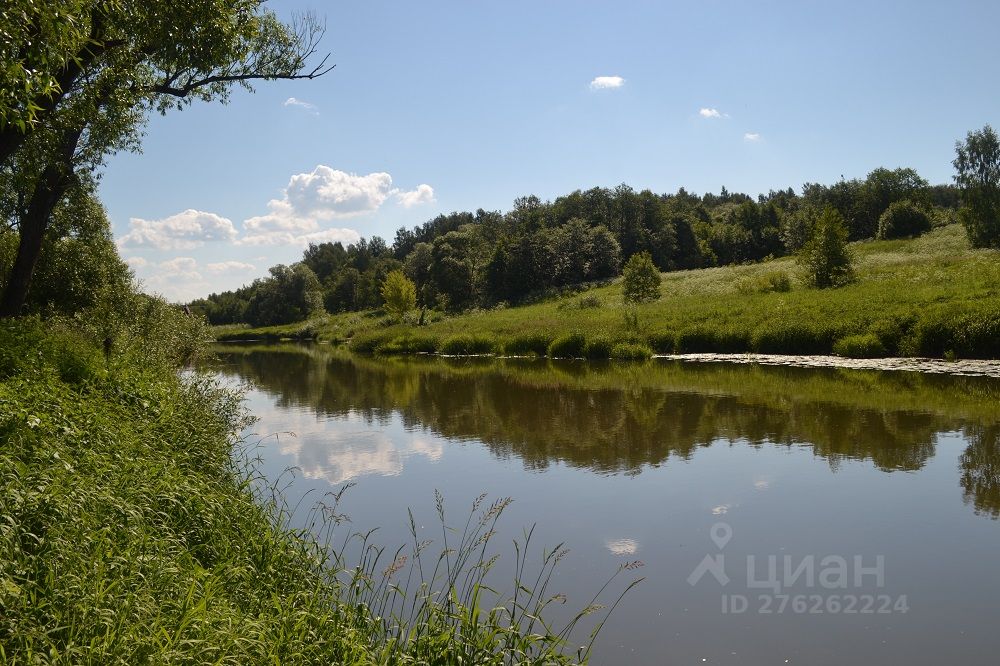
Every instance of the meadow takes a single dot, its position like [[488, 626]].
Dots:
[[931, 296]]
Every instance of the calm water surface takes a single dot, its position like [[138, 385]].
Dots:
[[711, 469]]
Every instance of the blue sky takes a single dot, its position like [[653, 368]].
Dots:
[[441, 106]]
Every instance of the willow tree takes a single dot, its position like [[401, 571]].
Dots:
[[88, 95]]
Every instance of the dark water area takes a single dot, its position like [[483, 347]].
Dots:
[[782, 515]]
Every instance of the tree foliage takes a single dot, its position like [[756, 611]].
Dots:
[[291, 294], [640, 279], [977, 174], [903, 219], [826, 257], [399, 294]]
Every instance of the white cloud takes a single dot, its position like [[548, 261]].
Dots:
[[752, 137], [706, 112], [311, 108], [606, 82], [184, 231], [321, 195], [180, 267], [229, 267], [422, 195], [136, 262]]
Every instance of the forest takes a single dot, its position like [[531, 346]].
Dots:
[[465, 260]]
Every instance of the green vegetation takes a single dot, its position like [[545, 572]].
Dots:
[[920, 297], [977, 167], [466, 261], [640, 279], [903, 219], [399, 294], [132, 533], [825, 256]]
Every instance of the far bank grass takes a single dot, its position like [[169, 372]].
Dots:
[[932, 296]]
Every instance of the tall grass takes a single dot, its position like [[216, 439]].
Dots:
[[137, 529]]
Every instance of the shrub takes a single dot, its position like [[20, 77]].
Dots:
[[696, 339], [591, 301], [399, 294], [825, 257], [370, 342], [630, 351], [640, 279], [772, 281], [409, 344], [792, 339], [568, 346], [527, 344], [598, 348], [664, 342], [866, 345], [466, 344], [893, 330], [903, 219]]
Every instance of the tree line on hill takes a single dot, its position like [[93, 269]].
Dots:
[[464, 260]]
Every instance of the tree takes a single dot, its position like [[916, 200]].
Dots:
[[903, 219], [977, 167], [124, 59], [640, 279], [825, 257], [399, 294], [291, 294]]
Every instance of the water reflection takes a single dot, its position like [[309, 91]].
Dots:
[[615, 419]]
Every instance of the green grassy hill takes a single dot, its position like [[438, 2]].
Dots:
[[932, 296]]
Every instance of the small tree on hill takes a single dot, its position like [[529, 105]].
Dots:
[[640, 279], [825, 257], [399, 294]]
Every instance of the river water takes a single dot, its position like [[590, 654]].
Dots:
[[781, 515]]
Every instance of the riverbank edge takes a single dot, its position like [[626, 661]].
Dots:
[[137, 530]]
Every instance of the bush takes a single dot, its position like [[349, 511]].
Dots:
[[598, 348], [772, 281], [630, 351], [866, 345], [466, 345], [370, 342], [893, 330], [664, 342], [792, 339], [640, 279], [527, 344], [409, 344], [694, 340], [568, 346], [903, 219], [826, 259]]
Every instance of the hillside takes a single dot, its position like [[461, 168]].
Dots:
[[932, 296]]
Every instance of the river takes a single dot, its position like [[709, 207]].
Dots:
[[781, 515]]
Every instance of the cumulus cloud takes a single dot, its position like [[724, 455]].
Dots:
[[752, 137], [321, 195], [422, 195], [707, 112], [184, 231], [229, 267], [136, 262], [307, 106], [606, 82]]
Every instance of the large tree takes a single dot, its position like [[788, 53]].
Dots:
[[977, 173], [123, 59]]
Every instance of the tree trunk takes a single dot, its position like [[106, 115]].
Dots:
[[50, 187]]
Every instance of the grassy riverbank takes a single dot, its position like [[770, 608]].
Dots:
[[130, 535], [932, 296]]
